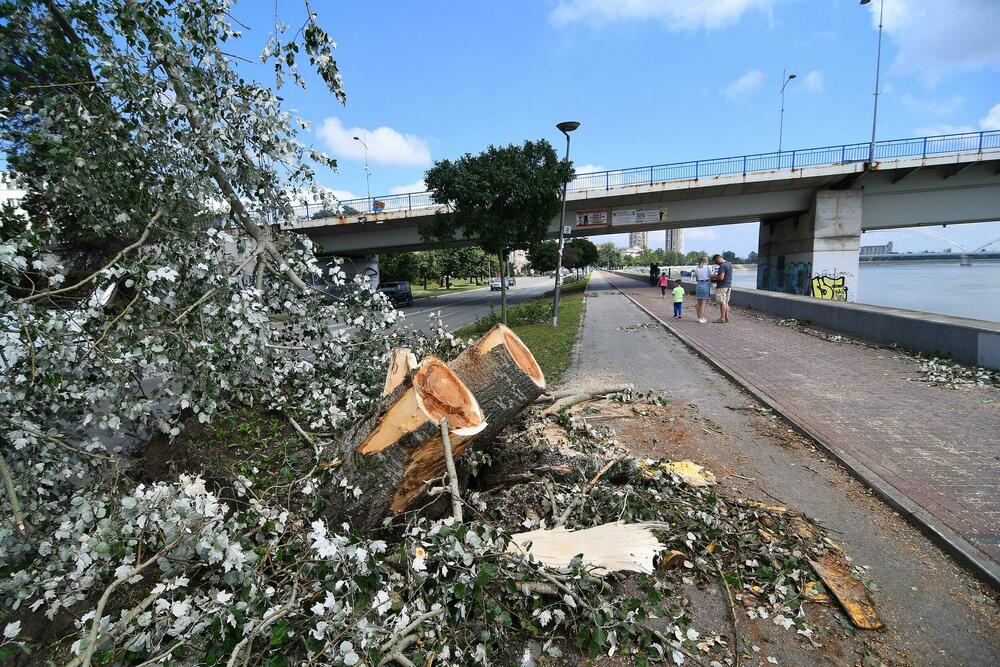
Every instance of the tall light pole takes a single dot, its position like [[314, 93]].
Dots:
[[781, 122], [878, 67], [368, 176], [565, 127]]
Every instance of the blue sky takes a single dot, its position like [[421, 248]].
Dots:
[[651, 81]]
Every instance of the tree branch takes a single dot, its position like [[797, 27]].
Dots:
[[114, 260], [279, 613], [8, 485], [449, 461], [88, 654]]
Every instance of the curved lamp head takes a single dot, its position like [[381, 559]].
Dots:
[[568, 126], [791, 76]]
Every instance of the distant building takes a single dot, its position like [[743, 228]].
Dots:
[[673, 239], [867, 250], [633, 251], [638, 240], [519, 259]]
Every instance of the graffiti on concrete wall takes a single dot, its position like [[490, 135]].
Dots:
[[829, 287], [791, 277]]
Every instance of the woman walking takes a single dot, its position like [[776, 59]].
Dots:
[[702, 274]]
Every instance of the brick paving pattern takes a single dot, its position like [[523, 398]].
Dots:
[[938, 446]]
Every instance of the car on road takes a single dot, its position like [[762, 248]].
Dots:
[[511, 282], [495, 285], [400, 293]]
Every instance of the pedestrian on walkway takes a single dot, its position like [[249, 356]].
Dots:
[[678, 298], [703, 284], [663, 285], [723, 286]]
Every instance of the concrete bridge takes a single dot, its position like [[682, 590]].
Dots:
[[812, 204]]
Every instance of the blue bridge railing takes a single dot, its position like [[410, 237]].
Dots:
[[969, 142]]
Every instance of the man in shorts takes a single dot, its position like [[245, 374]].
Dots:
[[723, 286]]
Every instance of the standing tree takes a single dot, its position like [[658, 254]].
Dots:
[[586, 254], [505, 197], [610, 256], [401, 266], [544, 256]]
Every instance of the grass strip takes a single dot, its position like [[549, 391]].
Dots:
[[532, 321]]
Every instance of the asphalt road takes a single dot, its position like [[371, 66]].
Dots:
[[461, 308]]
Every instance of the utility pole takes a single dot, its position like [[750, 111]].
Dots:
[[781, 122], [878, 67], [565, 127], [368, 176]]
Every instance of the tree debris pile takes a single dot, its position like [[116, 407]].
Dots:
[[568, 541]]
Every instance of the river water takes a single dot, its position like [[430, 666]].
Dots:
[[944, 288]]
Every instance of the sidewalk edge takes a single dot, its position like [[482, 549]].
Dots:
[[953, 543]]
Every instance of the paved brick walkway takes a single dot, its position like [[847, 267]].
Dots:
[[939, 447]]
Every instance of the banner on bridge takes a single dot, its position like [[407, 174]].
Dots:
[[630, 216], [592, 219]]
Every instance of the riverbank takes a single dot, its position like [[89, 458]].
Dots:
[[939, 287]]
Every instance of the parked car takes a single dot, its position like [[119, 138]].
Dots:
[[399, 293], [495, 285]]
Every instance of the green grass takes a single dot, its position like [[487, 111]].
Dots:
[[532, 321], [436, 290]]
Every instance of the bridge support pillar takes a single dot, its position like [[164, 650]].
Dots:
[[815, 253], [365, 265]]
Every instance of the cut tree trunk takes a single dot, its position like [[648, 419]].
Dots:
[[402, 364], [390, 455], [503, 375]]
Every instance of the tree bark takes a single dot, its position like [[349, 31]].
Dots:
[[503, 375], [390, 454]]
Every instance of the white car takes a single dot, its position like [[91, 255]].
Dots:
[[495, 285]]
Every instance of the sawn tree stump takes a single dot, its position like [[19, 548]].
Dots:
[[391, 454], [503, 375]]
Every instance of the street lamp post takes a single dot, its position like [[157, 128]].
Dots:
[[878, 67], [565, 127], [781, 122], [368, 176]]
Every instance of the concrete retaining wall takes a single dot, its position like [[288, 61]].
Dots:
[[969, 341], [966, 340]]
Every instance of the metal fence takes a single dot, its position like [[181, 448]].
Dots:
[[969, 142]]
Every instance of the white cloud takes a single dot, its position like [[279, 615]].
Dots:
[[743, 87], [700, 233], [385, 145], [344, 195], [943, 128], [813, 81], [941, 107], [675, 14], [588, 168], [939, 38], [991, 121], [416, 186]]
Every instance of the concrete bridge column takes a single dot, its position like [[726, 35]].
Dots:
[[365, 265], [815, 253]]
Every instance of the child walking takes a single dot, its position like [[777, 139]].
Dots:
[[663, 285], [678, 299]]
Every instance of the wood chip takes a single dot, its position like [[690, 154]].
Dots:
[[850, 592]]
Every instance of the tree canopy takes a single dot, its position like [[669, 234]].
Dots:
[[543, 256], [506, 197]]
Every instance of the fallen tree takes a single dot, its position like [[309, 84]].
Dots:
[[293, 530]]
